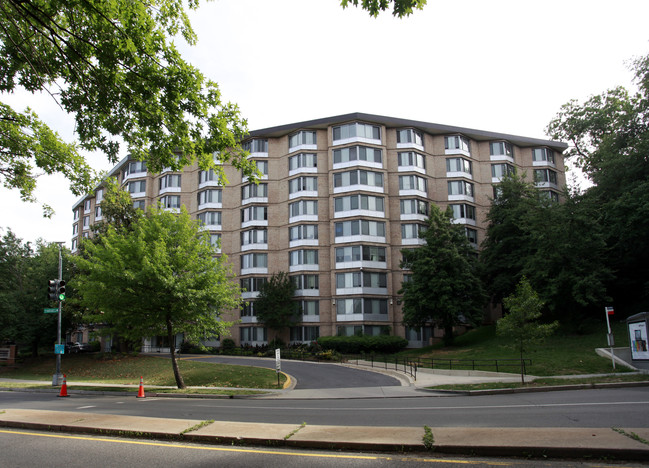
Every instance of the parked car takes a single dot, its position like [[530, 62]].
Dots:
[[76, 347]]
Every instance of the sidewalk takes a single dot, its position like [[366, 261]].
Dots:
[[544, 442]]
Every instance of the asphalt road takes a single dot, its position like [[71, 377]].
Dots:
[[83, 451], [605, 408], [310, 375]]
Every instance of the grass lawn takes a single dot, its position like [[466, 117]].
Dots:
[[561, 354], [127, 369]]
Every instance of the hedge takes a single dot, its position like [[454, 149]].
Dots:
[[363, 344]]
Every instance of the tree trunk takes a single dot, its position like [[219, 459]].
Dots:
[[174, 363], [522, 368]]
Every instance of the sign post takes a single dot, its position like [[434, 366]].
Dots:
[[611, 339], [278, 365]]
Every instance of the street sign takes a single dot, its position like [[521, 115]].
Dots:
[[278, 362], [50, 310], [59, 349]]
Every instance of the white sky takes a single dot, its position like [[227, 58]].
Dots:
[[499, 65]]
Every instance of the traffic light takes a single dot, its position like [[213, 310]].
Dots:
[[61, 290], [53, 290]]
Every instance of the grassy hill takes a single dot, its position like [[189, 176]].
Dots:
[[564, 353]]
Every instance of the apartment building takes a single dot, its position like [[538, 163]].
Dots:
[[339, 198]]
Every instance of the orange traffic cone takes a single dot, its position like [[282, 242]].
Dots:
[[140, 392], [64, 387]]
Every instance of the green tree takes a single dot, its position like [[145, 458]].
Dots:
[[117, 209], [445, 288], [609, 137], [521, 321], [25, 272], [400, 8], [275, 306], [114, 66], [508, 245], [158, 278]]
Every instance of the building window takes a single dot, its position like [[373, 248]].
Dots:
[[356, 130], [545, 155], [170, 201], [303, 334], [254, 236], [75, 229], [463, 211], [357, 253], [139, 204], [254, 191], [459, 165], [75, 214], [74, 244], [97, 212], [303, 184], [254, 260], [99, 196], [248, 309], [364, 306], [358, 177], [86, 222], [306, 282], [472, 235], [410, 135], [135, 167], [359, 227], [358, 153], [302, 160], [457, 142], [358, 279], [210, 218], [303, 207], [413, 206], [253, 284], [412, 159], [262, 167], [208, 176], [254, 213], [303, 231], [215, 241], [498, 171], [412, 182], [169, 181], [359, 202], [210, 196], [303, 257], [545, 176], [87, 205], [252, 335], [303, 137], [501, 148], [256, 145], [138, 186], [411, 230], [460, 187], [550, 195]]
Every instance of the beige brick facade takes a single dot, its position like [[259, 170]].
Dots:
[[370, 179]]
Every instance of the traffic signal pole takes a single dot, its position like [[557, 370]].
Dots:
[[58, 377]]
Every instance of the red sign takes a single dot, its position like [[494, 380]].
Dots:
[[610, 311]]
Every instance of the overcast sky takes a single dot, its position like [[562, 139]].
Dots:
[[499, 65]]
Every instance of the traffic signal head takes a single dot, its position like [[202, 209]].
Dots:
[[52, 290], [61, 290]]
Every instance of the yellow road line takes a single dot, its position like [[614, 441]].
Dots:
[[243, 450]]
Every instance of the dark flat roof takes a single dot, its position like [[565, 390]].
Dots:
[[427, 127]]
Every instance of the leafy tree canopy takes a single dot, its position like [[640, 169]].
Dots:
[[445, 288], [114, 66], [158, 278], [400, 8], [275, 306], [609, 136]]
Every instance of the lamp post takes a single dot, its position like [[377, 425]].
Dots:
[[58, 377]]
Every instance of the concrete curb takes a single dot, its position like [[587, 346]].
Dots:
[[528, 442]]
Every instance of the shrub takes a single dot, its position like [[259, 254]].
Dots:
[[363, 344], [228, 343]]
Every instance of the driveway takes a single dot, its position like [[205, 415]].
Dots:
[[309, 375]]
